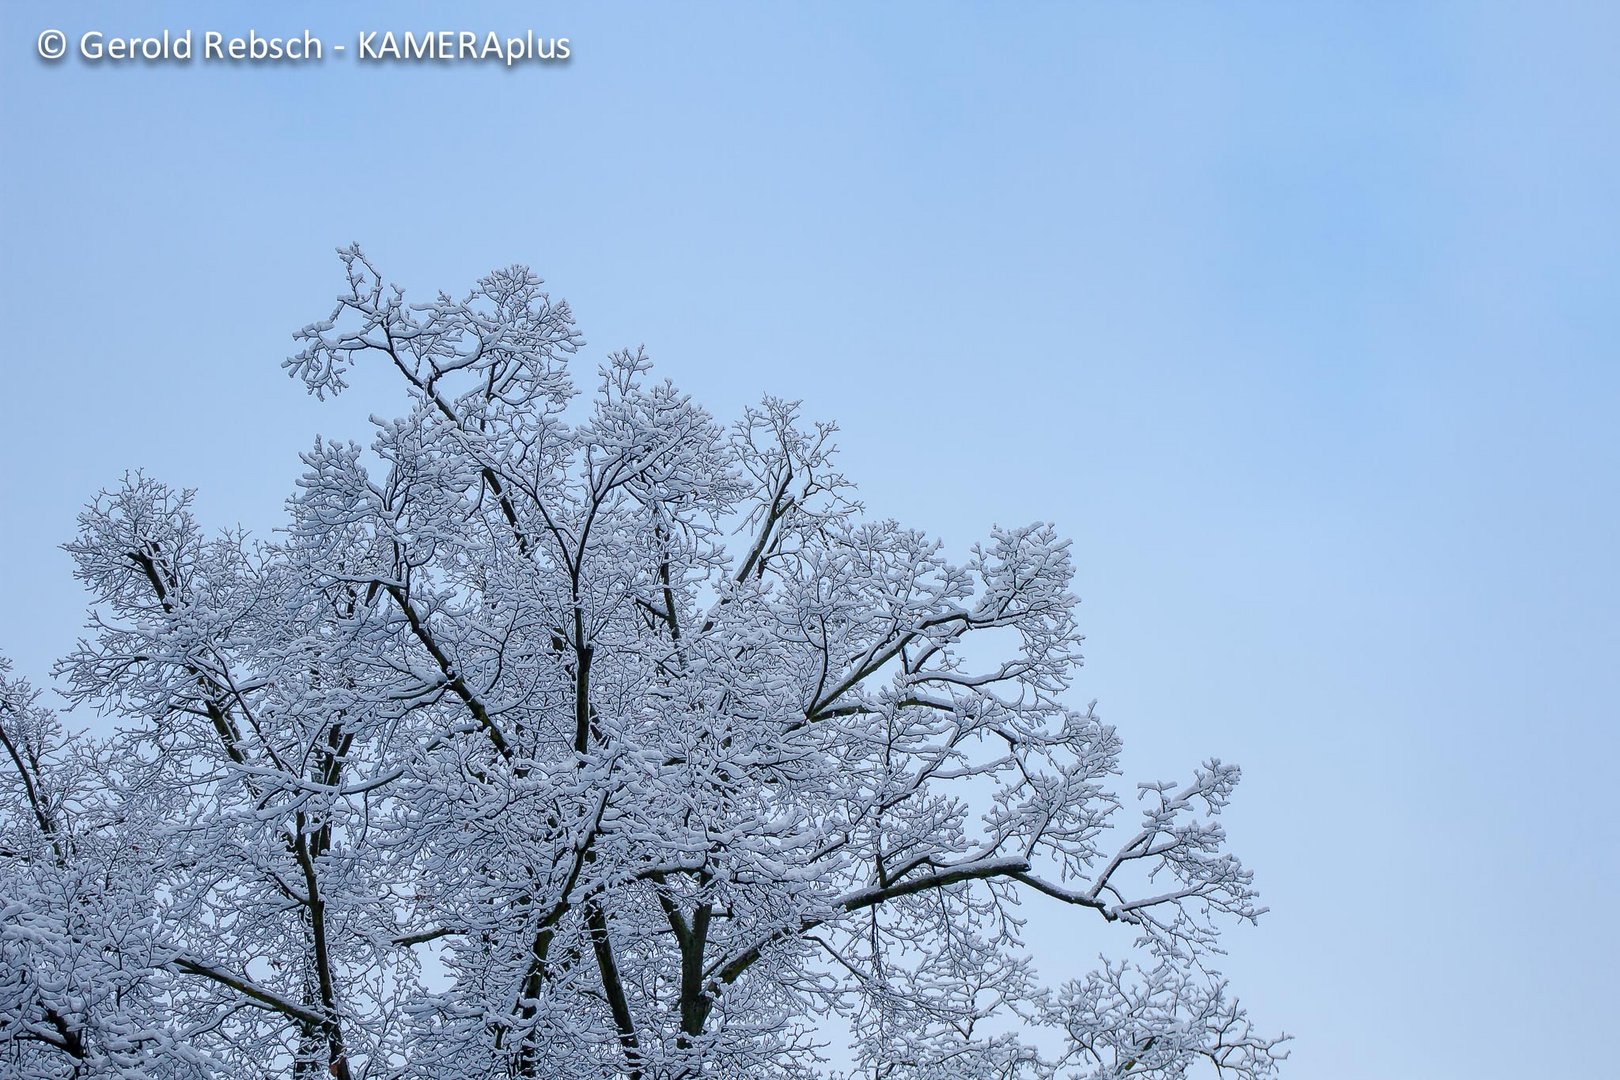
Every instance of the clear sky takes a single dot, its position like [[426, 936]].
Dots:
[[1299, 318]]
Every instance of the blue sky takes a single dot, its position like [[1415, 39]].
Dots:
[[1298, 318]]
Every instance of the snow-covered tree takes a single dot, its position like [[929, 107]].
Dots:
[[580, 739]]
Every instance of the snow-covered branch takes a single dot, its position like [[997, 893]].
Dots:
[[571, 736]]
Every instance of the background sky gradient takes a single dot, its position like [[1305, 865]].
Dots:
[[1298, 318]]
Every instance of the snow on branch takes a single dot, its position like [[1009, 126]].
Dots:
[[585, 741]]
